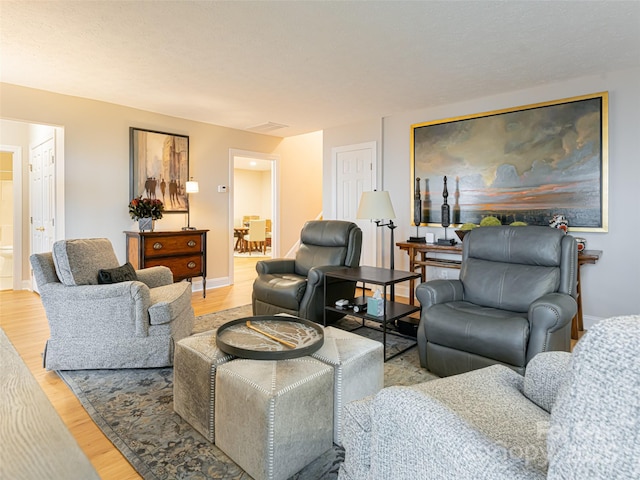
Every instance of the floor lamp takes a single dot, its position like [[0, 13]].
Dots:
[[375, 206], [190, 187]]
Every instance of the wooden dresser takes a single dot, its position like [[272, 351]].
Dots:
[[183, 251]]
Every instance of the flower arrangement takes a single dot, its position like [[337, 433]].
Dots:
[[145, 208]]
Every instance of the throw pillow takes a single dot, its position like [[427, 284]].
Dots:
[[125, 273]]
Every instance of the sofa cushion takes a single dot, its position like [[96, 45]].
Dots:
[[125, 273], [78, 261]]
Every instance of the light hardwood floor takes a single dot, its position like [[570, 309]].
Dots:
[[23, 319]]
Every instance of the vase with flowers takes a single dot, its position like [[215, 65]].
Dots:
[[146, 211]]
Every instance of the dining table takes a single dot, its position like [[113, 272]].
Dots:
[[239, 233]]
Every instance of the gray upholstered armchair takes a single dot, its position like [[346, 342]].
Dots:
[[572, 416], [296, 286], [128, 324], [514, 299]]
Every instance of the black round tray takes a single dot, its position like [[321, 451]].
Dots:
[[235, 338]]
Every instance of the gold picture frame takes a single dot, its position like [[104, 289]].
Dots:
[[525, 163]]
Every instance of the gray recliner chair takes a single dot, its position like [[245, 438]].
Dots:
[[296, 286], [514, 299], [125, 324]]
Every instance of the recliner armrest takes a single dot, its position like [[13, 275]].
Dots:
[[154, 277], [439, 291], [276, 265], [547, 315]]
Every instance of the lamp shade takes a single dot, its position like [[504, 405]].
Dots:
[[375, 205], [192, 187]]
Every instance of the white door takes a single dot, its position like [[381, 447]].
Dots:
[[355, 167], [42, 168]]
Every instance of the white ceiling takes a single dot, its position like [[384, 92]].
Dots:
[[309, 65]]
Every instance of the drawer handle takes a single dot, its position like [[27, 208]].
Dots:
[[191, 243], [191, 264], [157, 246]]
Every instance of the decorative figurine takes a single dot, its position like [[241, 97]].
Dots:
[[446, 217], [417, 214]]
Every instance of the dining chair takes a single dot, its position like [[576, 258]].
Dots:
[[257, 236], [268, 234]]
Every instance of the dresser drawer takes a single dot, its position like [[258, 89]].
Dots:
[[184, 252], [187, 266], [172, 245]]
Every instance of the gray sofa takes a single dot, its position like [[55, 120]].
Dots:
[[513, 300], [572, 416], [129, 324], [296, 286]]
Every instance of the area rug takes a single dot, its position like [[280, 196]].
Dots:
[[134, 409]]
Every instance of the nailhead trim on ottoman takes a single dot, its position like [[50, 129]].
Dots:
[[358, 369], [274, 417], [195, 363]]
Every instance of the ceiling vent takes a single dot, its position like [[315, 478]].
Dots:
[[267, 127]]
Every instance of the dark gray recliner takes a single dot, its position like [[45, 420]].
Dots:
[[296, 286], [514, 299]]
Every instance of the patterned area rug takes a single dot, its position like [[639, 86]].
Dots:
[[134, 409]]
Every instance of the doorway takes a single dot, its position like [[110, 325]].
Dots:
[[10, 218], [20, 139], [254, 196]]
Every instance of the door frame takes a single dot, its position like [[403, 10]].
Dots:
[[275, 201]]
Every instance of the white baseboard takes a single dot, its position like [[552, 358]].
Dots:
[[196, 285]]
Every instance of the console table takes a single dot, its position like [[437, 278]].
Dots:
[[183, 251], [419, 259], [376, 276]]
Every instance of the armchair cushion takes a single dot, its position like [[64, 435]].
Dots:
[[124, 273], [285, 289], [78, 261], [506, 286], [489, 332]]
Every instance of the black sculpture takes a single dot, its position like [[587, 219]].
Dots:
[[417, 214], [445, 214]]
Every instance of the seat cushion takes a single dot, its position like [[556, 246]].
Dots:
[[498, 334], [285, 290], [78, 261]]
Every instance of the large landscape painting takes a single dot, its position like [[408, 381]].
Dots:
[[521, 164]]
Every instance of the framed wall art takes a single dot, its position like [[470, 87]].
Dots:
[[526, 164], [159, 167]]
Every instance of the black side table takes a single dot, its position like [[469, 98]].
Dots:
[[377, 276]]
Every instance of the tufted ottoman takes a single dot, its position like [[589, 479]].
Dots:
[[358, 365], [195, 363], [273, 417]]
